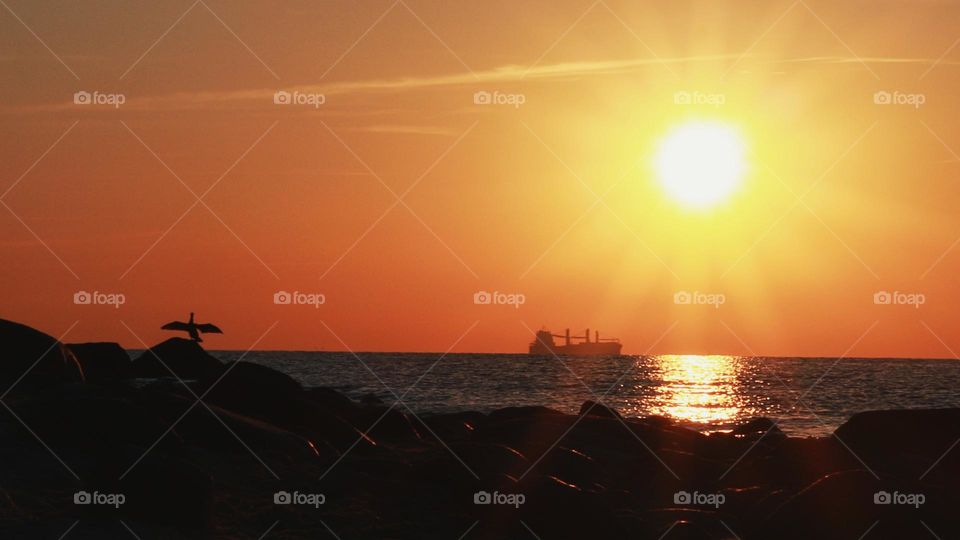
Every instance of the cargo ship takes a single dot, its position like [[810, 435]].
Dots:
[[577, 345]]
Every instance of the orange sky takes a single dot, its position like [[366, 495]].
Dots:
[[494, 197]]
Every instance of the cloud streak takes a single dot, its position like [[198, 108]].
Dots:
[[566, 71]]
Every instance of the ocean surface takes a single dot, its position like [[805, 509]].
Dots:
[[809, 396]]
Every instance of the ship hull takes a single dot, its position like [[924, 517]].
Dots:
[[577, 349]]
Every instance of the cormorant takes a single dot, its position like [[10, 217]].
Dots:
[[192, 328]]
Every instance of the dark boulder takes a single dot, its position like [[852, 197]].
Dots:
[[156, 489], [102, 362], [250, 388], [36, 357], [524, 413], [593, 408], [487, 460], [839, 505], [453, 426], [86, 416], [387, 424], [331, 400], [921, 432], [371, 399], [758, 427], [186, 359]]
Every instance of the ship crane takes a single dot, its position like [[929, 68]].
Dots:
[[575, 345]]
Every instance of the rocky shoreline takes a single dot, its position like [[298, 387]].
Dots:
[[177, 444]]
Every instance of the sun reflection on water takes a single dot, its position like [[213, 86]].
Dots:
[[697, 389]]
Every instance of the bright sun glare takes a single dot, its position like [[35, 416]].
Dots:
[[700, 164]]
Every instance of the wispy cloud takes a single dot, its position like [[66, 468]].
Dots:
[[409, 130], [262, 97]]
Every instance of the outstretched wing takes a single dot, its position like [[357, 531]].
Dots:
[[209, 328], [176, 325]]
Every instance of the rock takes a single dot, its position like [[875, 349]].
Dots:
[[157, 489], [37, 357], [370, 399], [250, 388], [102, 362], [452, 427], [185, 358], [571, 465], [557, 508], [384, 424], [759, 427], [489, 460], [87, 417], [839, 505], [923, 432], [592, 408], [524, 413], [331, 400], [222, 430], [263, 393]]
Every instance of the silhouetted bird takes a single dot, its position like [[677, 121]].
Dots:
[[192, 328]]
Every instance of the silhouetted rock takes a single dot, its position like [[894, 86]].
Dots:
[[195, 465], [839, 505], [157, 489], [102, 362], [332, 400], [756, 428], [384, 423], [210, 426], [452, 427], [526, 413], [927, 432], [370, 399], [489, 460], [184, 358], [36, 357], [89, 417], [247, 388], [593, 408]]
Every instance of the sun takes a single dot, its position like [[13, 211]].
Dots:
[[700, 164]]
